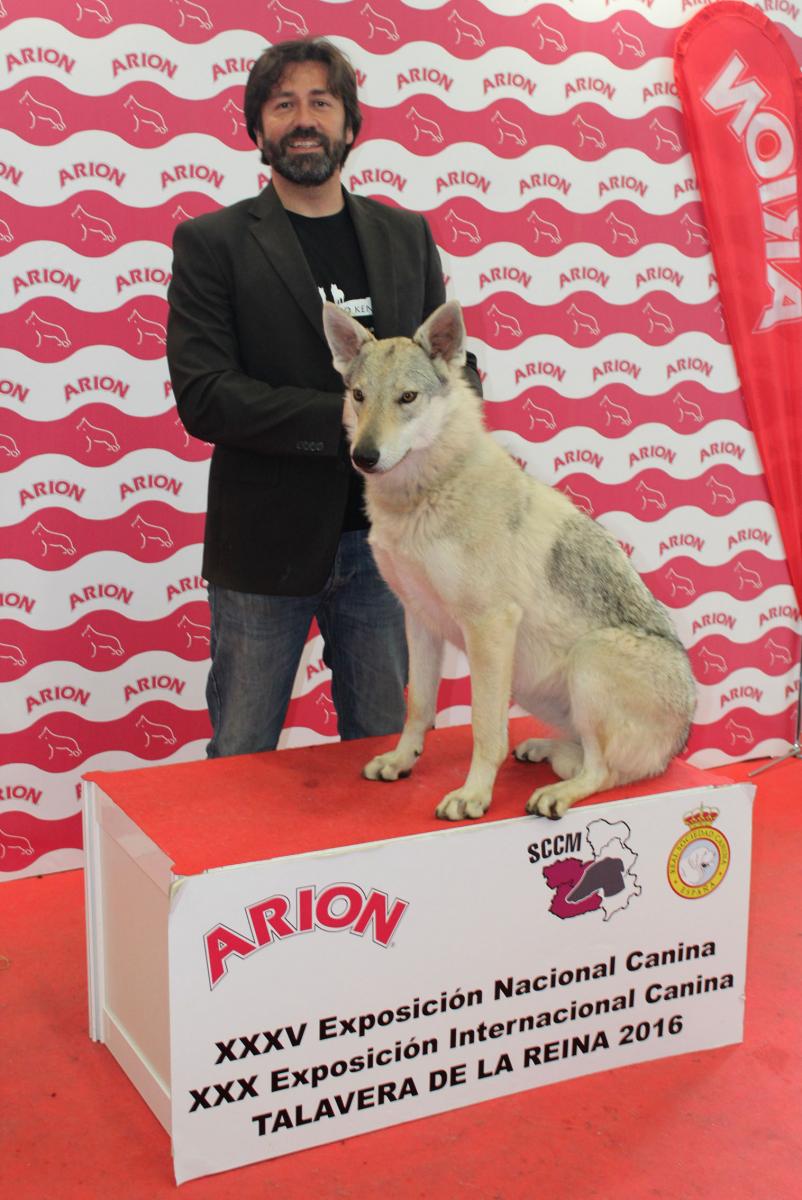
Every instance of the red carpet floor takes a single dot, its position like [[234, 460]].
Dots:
[[719, 1125]]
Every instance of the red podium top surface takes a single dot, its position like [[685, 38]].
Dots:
[[216, 813]]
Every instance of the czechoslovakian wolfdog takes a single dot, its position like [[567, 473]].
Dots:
[[544, 602]]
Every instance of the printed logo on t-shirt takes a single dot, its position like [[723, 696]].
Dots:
[[360, 309]]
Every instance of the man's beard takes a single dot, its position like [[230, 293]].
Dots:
[[308, 170]]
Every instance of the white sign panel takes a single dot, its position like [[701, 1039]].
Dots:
[[320, 996]]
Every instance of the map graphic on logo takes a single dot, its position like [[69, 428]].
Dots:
[[606, 881]]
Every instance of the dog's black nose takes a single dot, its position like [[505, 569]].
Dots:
[[365, 457]]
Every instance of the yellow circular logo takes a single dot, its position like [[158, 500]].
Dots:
[[698, 862]]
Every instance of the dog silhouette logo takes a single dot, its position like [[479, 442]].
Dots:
[[600, 878]]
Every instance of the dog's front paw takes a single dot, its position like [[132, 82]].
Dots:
[[388, 767], [462, 805], [551, 801]]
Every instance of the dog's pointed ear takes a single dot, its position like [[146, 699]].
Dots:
[[345, 336], [442, 335]]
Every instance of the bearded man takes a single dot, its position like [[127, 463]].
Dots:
[[286, 532]]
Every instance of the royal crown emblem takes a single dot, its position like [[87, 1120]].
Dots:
[[699, 860], [700, 816]]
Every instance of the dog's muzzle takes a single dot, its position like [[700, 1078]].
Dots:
[[365, 458]]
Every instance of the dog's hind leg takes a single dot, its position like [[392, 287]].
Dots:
[[591, 679], [556, 798], [565, 756], [490, 645], [425, 665], [631, 697]]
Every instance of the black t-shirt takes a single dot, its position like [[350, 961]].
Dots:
[[332, 251]]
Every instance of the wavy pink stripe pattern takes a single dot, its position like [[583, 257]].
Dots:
[[567, 218]]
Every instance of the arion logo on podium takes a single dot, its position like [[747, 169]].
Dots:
[[334, 908]]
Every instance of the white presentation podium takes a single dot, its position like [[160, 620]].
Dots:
[[283, 954]]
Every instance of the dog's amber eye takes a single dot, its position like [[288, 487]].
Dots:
[[408, 397], [358, 395]]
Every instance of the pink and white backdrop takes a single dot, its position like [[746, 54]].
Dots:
[[545, 144]]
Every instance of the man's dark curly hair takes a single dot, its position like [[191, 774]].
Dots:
[[269, 67]]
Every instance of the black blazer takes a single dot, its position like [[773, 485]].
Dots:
[[251, 372]]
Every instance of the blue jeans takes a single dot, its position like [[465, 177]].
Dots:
[[257, 642]]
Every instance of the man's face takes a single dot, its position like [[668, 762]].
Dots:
[[304, 134]]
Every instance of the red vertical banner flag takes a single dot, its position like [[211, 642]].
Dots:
[[741, 94]]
